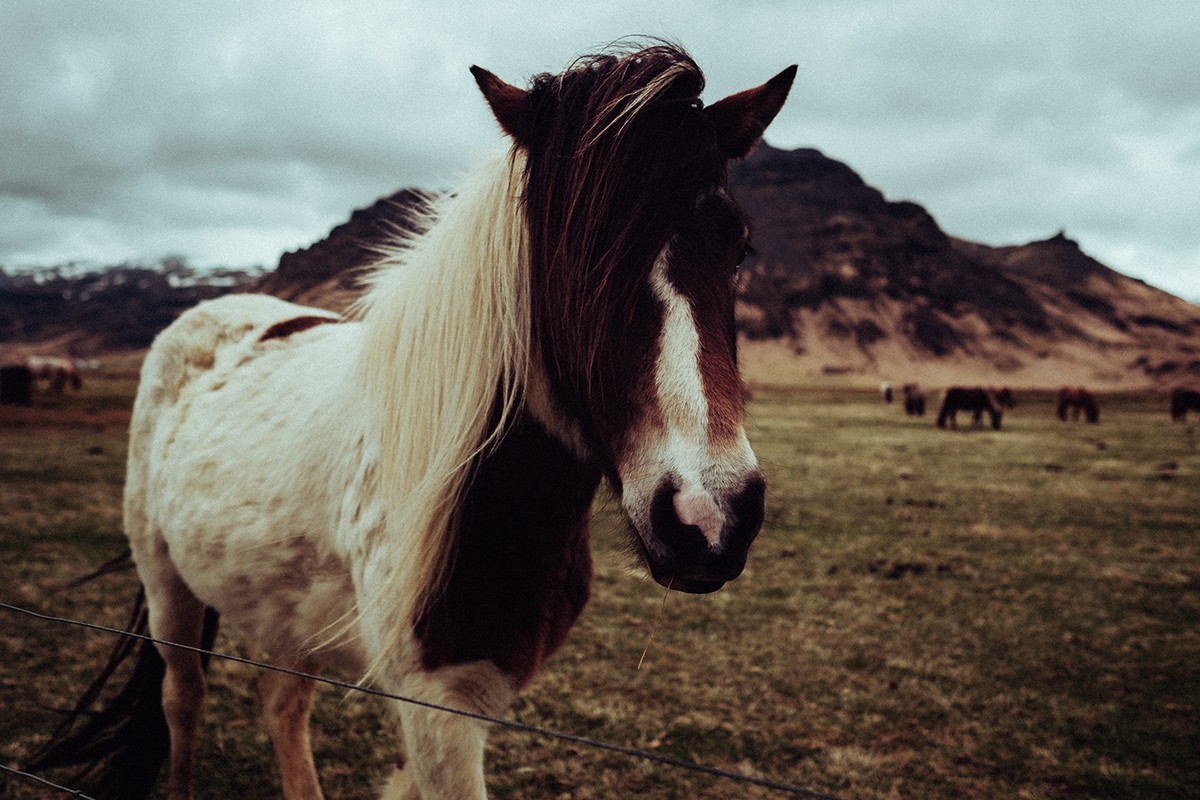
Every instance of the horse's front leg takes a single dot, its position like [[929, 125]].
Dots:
[[287, 703], [445, 751]]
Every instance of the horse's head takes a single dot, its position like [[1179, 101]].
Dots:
[[634, 245]]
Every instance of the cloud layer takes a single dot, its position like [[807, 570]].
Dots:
[[229, 132]]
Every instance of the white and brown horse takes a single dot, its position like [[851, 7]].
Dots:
[[58, 372], [405, 495]]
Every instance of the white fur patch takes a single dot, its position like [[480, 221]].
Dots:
[[682, 448]]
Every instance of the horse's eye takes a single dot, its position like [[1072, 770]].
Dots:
[[744, 250]]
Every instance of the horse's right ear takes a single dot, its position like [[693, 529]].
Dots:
[[509, 104]]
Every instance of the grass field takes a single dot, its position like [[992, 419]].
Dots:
[[927, 614]]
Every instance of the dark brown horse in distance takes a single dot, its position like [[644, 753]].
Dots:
[[914, 400], [1073, 401], [977, 400], [1182, 401]]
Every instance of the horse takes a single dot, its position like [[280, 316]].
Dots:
[[16, 385], [58, 372], [1004, 397], [914, 400], [976, 400], [403, 493], [1182, 401], [1072, 401]]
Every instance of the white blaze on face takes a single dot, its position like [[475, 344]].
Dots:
[[680, 446]]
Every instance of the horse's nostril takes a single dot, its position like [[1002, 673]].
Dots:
[[747, 506], [696, 508]]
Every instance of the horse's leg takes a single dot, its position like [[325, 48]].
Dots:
[[177, 616], [287, 703], [446, 756], [444, 750]]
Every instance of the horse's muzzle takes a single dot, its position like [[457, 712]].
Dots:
[[698, 542]]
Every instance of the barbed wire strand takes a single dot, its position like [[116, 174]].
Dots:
[[51, 784], [523, 727]]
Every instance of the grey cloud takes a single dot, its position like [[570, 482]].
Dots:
[[232, 127]]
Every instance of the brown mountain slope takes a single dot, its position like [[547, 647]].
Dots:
[[846, 282], [326, 273]]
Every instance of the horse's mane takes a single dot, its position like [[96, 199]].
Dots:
[[455, 315], [446, 332]]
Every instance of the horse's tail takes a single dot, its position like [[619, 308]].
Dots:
[[121, 748]]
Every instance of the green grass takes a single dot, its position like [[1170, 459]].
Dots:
[[927, 614]]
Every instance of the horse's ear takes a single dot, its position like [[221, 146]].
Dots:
[[741, 118], [509, 104]]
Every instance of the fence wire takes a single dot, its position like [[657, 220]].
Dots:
[[51, 784], [583, 741]]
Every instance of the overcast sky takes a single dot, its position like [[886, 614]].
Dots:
[[230, 131]]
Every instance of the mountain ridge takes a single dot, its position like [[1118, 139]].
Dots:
[[843, 282], [849, 282]]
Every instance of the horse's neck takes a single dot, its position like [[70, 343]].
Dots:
[[522, 566]]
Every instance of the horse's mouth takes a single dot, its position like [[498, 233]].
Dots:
[[668, 576], [678, 574], [688, 585]]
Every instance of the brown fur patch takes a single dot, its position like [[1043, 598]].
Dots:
[[282, 330], [522, 568]]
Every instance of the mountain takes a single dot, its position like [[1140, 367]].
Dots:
[[843, 282], [83, 310], [326, 273], [848, 282]]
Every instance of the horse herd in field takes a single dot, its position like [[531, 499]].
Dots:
[[20, 380], [1072, 403]]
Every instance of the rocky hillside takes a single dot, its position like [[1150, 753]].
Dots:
[[85, 311], [846, 282], [326, 273]]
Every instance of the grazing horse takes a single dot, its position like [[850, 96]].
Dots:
[[976, 400], [404, 495], [58, 372], [1182, 401], [1004, 397], [914, 400], [16, 385], [1072, 401]]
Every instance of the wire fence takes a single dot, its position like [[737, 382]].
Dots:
[[29, 776], [583, 741]]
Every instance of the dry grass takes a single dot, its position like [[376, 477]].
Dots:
[[927, 614]]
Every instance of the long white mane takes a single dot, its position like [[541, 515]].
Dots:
[[446, 345]]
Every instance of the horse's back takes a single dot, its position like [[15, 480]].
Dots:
[[193, 344]]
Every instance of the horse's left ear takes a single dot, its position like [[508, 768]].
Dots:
[[741, 118], [509, 104]]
